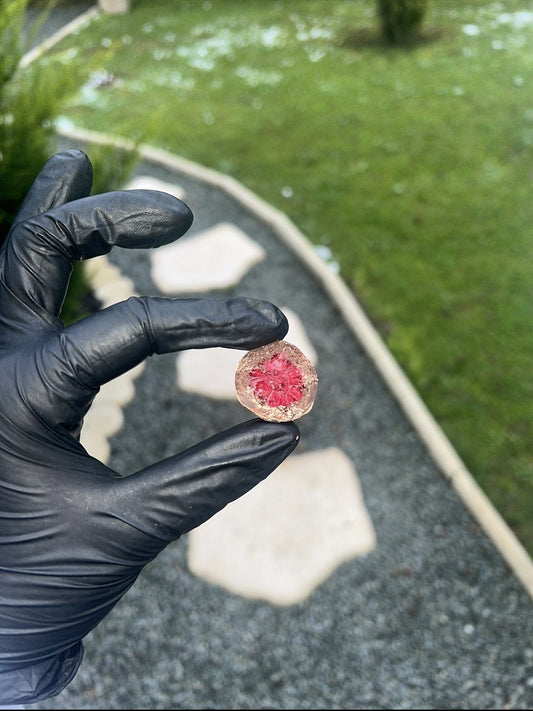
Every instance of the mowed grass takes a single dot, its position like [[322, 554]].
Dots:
[[413, 166]]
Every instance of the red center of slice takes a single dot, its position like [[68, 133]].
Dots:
[[277, 382]]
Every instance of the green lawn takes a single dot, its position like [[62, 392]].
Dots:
[[414, 167]]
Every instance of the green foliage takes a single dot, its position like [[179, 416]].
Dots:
[[400, 20], [29, 101], [11, 32], [112, 166]]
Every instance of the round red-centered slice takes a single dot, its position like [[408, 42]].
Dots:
[[276, 382]]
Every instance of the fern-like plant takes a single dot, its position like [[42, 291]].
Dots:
[[31, 98]]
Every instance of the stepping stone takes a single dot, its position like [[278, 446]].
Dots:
[[146, 182], [106, 415], [216, 258], [287, 535], [107, 281], [114, 7]]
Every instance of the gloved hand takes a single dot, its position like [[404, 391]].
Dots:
[[74, 534]]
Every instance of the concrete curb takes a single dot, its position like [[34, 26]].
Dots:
[[56, 37], [416, 411]]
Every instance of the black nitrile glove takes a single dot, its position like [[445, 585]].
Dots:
[[74, 534]]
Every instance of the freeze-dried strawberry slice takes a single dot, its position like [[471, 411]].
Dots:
[[276, 382]]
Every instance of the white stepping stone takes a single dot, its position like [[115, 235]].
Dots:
[[217, 258], [119, 390], [211, 371], [114, 7], [287, 535], [105, 416], [147, 182], [107, 281]]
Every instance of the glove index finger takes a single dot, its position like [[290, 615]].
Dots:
[[124, 218], [106, 344], [77, 360]]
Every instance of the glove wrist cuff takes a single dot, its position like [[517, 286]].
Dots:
[[41, 680]]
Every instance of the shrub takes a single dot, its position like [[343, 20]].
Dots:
[[400, 20], [30, 100]]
